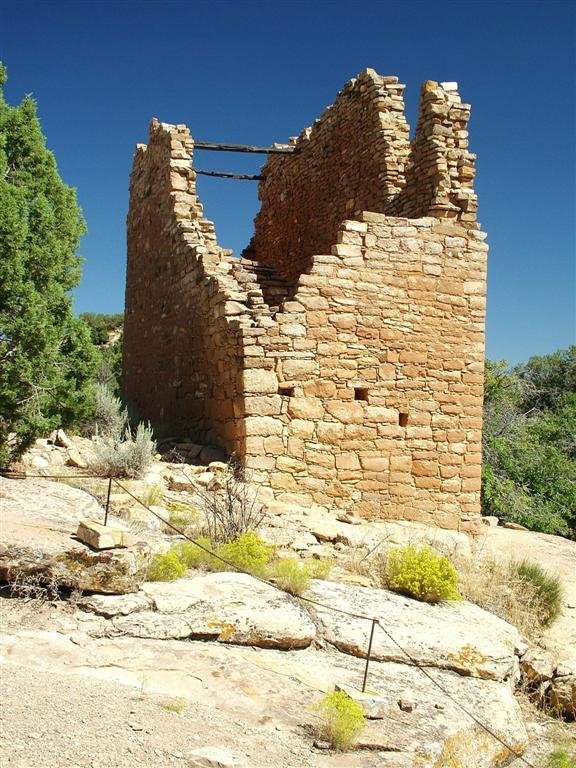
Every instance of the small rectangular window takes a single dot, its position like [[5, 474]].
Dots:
[[403, 419], [286, 391], [360, 393]]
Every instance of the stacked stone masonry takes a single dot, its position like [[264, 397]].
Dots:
[[341, 359]]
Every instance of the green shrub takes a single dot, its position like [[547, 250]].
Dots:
[[294, 577], [560, 759], [548, 590], [341, 720], [422, 573], [318, 567], [248, 552], [191, 556], [290, 575], [165, 567]]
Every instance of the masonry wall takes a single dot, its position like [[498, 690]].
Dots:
[[379, 362], [352, 159], [181, 351], [342, 357], [358, 157]]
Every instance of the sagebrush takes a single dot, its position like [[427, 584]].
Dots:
[[130, 457], [110, 418]]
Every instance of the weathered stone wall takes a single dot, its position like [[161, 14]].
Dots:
[[357, 157], [380, 359], [352, 159], [181, 346], [342, 358]]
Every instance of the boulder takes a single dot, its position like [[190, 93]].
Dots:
[[115, 605], [426, 716], [235, 608], [62, 440], [39, 520], [538, 665], [457, 636], [76, 459]]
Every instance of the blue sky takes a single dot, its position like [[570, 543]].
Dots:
[[258, 72]]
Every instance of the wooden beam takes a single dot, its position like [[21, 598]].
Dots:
[[216, 147], [225, 175]]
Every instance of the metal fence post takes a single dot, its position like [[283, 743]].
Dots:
[[108, 500], [374, 622]]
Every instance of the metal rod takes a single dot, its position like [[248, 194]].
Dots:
[[226, 175], [374, 622], [217, 147], [108, 500]]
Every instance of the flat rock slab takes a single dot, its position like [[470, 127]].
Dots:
[[39, 519], [227, 607], [557, 556], [454, 636], [257, 685]]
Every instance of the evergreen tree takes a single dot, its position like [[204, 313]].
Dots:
[[46, 356]]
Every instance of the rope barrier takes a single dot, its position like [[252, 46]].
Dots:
[[374, 621]]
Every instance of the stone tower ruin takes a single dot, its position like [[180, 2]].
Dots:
[[341, 357]]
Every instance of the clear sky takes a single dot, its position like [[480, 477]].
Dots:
[[257, 72]]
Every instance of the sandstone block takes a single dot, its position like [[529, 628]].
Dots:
[[259, 382], [262, 425], [263, 405], [329, 432], [320, 458], [380, 414], [99, 536], [301, 428], [347, 461], [295, 369], [306, 408], [375, 463], [346, 412], [424, 468]]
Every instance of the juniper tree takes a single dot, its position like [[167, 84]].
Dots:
[[46, 356]]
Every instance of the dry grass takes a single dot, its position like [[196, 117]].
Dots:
[[500, 589]]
